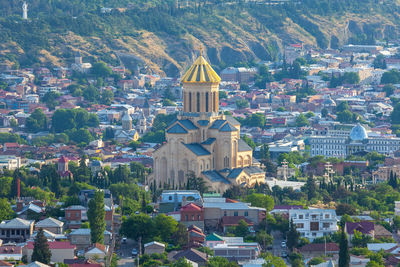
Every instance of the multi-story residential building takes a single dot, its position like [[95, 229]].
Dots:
[[192, 214], [10, 162], [74, 215], [314, 223], [16, 230], [215, 209]]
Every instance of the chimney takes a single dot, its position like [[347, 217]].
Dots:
[[20, 205]]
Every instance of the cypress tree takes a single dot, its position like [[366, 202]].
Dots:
[[96, 215], [344, 256], [41, 251], [292, 236]]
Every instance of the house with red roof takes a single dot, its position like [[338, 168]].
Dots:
[[59, 250], [192, 214], [364, 227]]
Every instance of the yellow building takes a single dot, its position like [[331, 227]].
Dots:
[[202, 141]]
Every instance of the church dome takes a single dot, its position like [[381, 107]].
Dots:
[[201, 72], [358, 133]]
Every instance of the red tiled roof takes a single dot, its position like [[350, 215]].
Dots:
[[11, 145], [191, 207], [4, 263], [54, 245], [10, 250], [234, 220], [332, 247]]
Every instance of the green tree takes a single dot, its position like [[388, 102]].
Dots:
[[242, 103], [6, 211], [180, 236], [100, 69], [273, 261], [242, 229], [389, 89], [264, 239], [379, 62], [106, 97], [345, 116], [301, 121], [220, 262], [181, 262], [344, 256], [138, 225], [249, 141], [166, 227], [50, 98], [36, 122], [395, 116], [96, 216], [324, 112], [392, 77], [261, 200], [360, 240], [344, 208], [41, 251], [292, 236]]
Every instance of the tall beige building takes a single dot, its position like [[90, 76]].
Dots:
[[203, 141]]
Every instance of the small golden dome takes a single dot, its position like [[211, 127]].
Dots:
[[201, 72]]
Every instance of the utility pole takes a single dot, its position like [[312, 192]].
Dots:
[[140, 251]]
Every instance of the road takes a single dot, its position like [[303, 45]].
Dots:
[[277, 246], [125, 253]]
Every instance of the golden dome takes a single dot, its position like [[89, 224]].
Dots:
[[200, 72]]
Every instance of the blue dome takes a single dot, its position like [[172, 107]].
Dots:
[[358, 133]]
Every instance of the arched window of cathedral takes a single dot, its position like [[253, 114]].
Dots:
[[198, 102], [190, 101], [206, 101]]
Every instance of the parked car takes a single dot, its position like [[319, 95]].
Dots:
[[284, 254], [283, 244], [124, 240], [134, 252]]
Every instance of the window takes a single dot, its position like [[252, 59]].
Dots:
[[190, 102], [326, 216], [299, 225], [246, 213], [326, 225], [236, 213], [207, 102], [170, 198], [192, 217], [186, 218], [198, 217], [77, 214], [198, 102], [301, 216], [68, 214]]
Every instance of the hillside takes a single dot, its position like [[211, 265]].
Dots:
[[164, 35]]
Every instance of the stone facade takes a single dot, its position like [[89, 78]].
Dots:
[[203, 142]]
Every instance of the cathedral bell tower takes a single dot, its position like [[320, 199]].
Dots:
[[200, 89]]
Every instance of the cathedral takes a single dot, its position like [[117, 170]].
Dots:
[[202, 141]]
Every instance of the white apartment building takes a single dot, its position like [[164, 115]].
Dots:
[[314, 223]]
